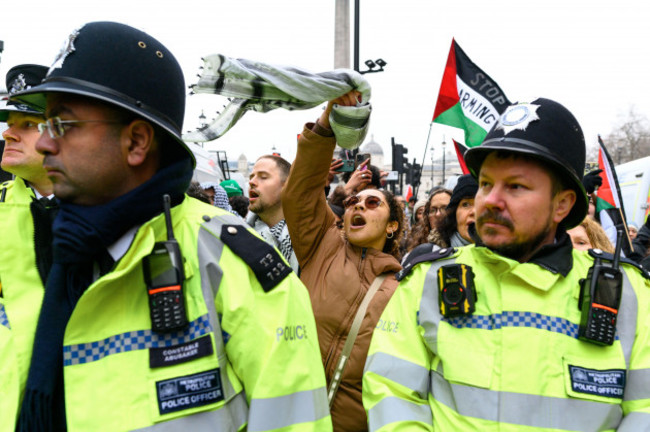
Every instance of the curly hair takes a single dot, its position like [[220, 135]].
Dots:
[[396, 214]]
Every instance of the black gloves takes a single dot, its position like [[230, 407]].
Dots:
[[592, 180]]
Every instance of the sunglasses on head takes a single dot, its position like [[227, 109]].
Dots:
[[371, 201]]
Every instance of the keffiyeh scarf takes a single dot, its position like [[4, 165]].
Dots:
[[262, 87], [277, 235]]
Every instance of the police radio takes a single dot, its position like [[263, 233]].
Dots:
[[456, 294], [164, 277], [600, 299]]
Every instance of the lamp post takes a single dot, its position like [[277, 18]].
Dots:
[[369, 63], [443, 160], [431, 167]]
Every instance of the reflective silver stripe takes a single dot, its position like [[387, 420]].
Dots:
[[637, 384], [4, 320], [626, 324], [429, 314], [209, 251], [526, 409], [392, 409], [635, 422], [229, 418], [404, 372], [133, 341], [283, 411]]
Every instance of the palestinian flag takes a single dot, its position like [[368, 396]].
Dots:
[[468, 99], [609, 203], [460, 154], [408, 192]]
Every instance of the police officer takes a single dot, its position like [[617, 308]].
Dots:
[[26, 213], [495, 336], [154, 318]]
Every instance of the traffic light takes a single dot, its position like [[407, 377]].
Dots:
[[398, 156], [408, 170], [417, 174]]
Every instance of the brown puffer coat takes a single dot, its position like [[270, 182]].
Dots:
[[336, 273]]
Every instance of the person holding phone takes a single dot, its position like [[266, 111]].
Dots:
[[339, 267]]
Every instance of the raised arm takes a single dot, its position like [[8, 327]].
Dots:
[[303, 202]]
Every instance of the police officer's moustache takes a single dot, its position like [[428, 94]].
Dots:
[[120, 65], [546, 130]]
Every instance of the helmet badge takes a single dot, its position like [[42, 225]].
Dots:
[[19, 84], [517, 117], [67, 48]]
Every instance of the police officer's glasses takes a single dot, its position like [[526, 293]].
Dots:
[[57, 127], [371, 201]]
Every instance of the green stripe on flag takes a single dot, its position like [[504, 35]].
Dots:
[[602, 204], [455, 117]]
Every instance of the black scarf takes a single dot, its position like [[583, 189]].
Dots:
[[81, 237]]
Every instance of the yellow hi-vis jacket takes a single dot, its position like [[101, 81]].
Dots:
[[516, 363], [249, 358], [9, 387], [22, 287]]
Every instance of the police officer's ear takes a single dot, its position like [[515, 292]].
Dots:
[[562, 204], [138, 142]]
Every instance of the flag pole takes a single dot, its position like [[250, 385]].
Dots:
[[424, 156]]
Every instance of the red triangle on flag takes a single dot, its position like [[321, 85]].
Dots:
[[448, 95], [460, 153]]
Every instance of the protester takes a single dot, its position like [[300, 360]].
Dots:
[[265, 213], [239, 204], [454, 230], [488, 337], [641, 245], [195, 190], [340, 267], [418, 212], [366, 176], [232, 188], [411, 211], [590, 235], [27, 209], [218, 196], [434, 213], [632, 230], [122, 258]]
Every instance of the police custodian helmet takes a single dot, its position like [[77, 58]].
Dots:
[[546, 130], [120, 65], [19, 78]]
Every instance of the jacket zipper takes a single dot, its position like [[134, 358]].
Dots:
[[339, 336]]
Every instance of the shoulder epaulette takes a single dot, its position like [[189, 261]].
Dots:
[[597, 253], [3, 189], [265, 261], [422, 255]]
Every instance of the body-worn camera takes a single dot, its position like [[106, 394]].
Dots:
[[457, 294], [600, 300], [164, 278]]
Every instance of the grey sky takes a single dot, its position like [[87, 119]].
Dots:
[[591, 56]]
